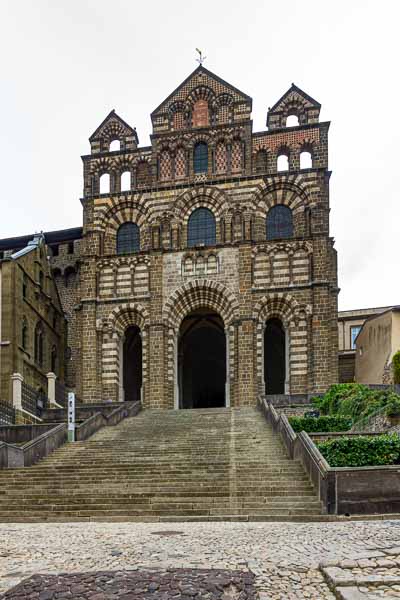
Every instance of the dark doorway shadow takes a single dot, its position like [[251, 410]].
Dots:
[[132, 357], [202, 361], [274, 357]]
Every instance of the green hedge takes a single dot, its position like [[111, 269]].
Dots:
[[354, 400], [361, 451], [396, 367], [320, 424]]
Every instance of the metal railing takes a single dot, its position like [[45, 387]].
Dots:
[[7, 413], [33, 401]]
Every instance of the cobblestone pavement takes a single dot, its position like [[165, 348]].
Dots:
[[285, 558]]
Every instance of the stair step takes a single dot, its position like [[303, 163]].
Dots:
[[215, 464]]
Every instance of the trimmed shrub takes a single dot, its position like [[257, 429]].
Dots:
[[396, 367], [320, 424], [361, 451], [354, 400]]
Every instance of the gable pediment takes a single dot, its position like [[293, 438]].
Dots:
[[205, 85], [113, 128]]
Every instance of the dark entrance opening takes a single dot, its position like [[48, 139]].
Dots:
[[274, 357], [132, 372], [202, 361]]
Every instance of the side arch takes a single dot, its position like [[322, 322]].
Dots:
[[112, 330], [295, 320]]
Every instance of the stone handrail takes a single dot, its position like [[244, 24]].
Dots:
[[342, 490], [27, 454], [90, 426], [13, 456], [99, 420]]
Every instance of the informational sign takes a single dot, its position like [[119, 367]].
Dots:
[[71, 417]]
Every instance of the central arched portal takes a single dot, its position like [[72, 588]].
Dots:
[[132, 364], [202, 361]]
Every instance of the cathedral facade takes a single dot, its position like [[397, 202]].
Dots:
[[204, 274], [207, 272]]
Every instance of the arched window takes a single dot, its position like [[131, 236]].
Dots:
[[24, 334], [292, 121], [128, 238], [39, 344], [201, 228], [279, 222], [261, 161], [115, 145], [200, 158], [306, 160], [53, 360], [283, 162], [105, 183], [125, 181]]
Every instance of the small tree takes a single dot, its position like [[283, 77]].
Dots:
[[396, 367]]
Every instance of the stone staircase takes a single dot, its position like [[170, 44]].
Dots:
[[215, 464]]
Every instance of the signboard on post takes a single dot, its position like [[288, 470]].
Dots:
[[71, 416]]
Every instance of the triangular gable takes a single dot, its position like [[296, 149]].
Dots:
[[294, 93], [201, 77], [116, 121]]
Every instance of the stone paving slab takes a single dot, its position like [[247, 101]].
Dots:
[[179, 584], [284, 558], [375, 574]]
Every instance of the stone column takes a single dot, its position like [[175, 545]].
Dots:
[[51, 389], [17, 380], [227, 380]]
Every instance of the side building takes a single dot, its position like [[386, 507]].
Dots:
[[350, 323], [32, 323]]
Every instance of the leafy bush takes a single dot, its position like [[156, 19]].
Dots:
[[361, 451], [354, 400], [396, 367], [393, 407], [320, 424]]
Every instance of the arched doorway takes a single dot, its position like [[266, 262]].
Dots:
[[274, 357], [202, 361], [132, 364]]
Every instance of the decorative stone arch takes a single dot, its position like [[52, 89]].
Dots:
[[121, 210], [177, 107], [114, 130], [307, 145], [99, 167], [295, 320], [201, 92], [294, 106], [112, 330], [198, 293], [202, 197]]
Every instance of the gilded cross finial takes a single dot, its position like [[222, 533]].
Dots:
[[201, 58]]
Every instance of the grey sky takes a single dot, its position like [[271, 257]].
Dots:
[[66, 64]]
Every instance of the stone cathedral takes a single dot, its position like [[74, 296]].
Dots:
[[204, 273]]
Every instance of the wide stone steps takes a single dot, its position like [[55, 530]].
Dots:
[[165, 465]]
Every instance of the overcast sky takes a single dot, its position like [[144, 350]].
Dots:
[[66, 64]]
